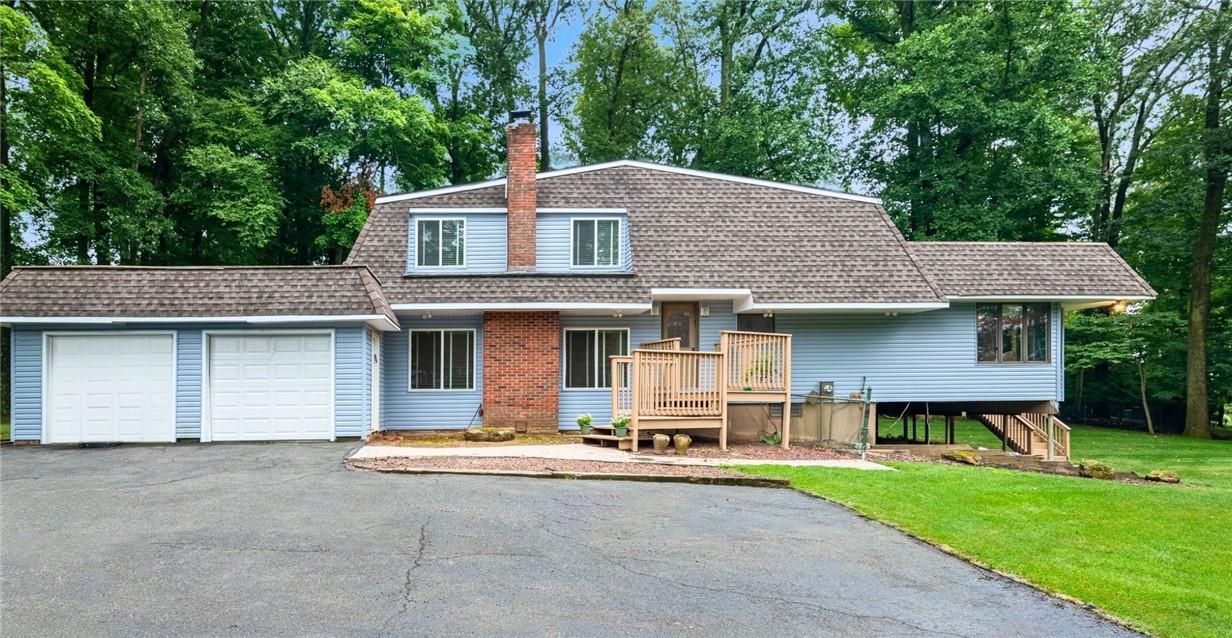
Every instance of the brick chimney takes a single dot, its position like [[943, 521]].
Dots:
[[520, 191]]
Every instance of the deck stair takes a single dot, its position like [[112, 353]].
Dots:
[[1042, 436], [605, 436]]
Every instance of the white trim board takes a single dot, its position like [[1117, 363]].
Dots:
[[647, 165]]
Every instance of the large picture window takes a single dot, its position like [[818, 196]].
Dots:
[[442, 360], [586, 356], [1012, 333], [596, 242], [440, 243]]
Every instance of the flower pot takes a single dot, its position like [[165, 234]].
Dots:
[[660, 443], [586, 429], [622, 430], [682, 441]]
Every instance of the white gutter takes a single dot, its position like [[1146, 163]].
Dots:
[[852, 307], [523, 306], [379, 321]]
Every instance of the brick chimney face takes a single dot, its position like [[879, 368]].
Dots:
[[520, 196]]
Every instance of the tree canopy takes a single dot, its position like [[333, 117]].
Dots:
[[226, 132]]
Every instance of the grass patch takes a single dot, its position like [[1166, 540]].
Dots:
[[6, 430], [966, 431], [1158, 557], [454, 439]]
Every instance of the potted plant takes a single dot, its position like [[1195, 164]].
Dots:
[[763, 366], [583, 421], [621, 425]]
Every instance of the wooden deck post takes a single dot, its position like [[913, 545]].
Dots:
[[787, 394], [635, 399]]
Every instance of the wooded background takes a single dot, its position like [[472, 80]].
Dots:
[[218, 132]]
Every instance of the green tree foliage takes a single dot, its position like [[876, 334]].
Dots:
[[973, 113], [621, 75]]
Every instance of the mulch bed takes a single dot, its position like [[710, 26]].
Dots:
[[517, 464], [455, 439]]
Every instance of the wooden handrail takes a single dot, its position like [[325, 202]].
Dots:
[[1020, 431], [622, 392], [662, 344], [677, 383]]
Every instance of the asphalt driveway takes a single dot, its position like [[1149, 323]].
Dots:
[[280, 539]]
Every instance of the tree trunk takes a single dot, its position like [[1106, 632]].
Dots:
[[1146, 409], [1197, 416], [545, 157], [6, 241]]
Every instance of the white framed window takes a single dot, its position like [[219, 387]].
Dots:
[[440, 242], [595, 242], [442, 360], [586, 355]]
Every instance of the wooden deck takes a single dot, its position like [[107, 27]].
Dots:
[[661, 387]]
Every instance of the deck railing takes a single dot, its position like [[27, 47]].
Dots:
[[622, 393], [1053, 431], [661, 344], [677, 383], [757, 361]]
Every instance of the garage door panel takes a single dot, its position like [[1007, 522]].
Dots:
[[268, 387], [113, 387]]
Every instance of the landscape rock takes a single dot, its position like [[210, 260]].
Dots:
[[1162, 476], [490, 436], [1096, 470], [967, 457]]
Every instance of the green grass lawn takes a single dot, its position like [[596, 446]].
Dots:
[[1158, 557]]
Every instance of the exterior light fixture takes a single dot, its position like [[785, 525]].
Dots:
[[427, 315], [704, 311], [769, 314], [654, 309]]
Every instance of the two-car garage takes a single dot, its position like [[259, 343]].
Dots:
[[122, 386]]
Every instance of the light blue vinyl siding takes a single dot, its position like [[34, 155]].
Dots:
[[429, 409], [188, 384], [553, 243], [351, 394], [26, 375], [350, 398], [485, 245], [929, 356], [642, 328]]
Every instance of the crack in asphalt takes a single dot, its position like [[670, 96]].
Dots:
[[205, 548], [719, 590], [408, 583]]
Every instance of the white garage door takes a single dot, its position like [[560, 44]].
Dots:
[[106, 388], [270, 387]]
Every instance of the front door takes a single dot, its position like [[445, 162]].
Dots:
[[680, 320]]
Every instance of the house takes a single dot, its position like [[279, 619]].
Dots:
[[522, 301]]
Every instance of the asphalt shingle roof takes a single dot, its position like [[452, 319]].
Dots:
[[230, 291], [686, 231], [1030, 268]]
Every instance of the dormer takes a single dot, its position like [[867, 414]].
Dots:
[[520, 237]]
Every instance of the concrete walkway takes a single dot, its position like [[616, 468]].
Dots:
[[582, 452]]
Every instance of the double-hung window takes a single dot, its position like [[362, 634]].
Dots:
[[586, 355], [442, 360], [596, 243], [1012, 332], [441, 243]]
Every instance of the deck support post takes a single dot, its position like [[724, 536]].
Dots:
[[786, 394]]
